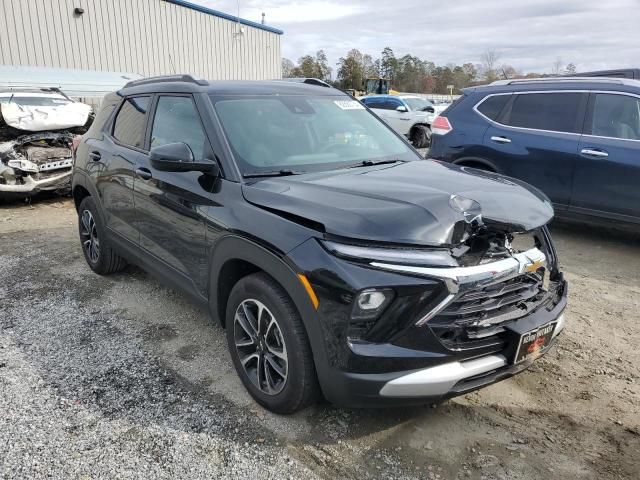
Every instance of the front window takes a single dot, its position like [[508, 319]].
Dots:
[[176, 120], [305, 133], [616, 116], [417, 104]]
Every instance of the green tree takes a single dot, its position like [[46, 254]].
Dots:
[[351, 70], [310, 66], [388, 65]]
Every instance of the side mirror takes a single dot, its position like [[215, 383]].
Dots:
[[178, 157], [402, 108], [430, 110]]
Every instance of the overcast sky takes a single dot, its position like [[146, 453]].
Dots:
[[528, 34]]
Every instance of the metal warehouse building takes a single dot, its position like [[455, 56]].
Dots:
[[149, 37]]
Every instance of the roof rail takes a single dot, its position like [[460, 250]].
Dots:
[[618, 81], [166, 78], [308, 81]]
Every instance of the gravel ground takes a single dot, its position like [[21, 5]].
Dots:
[[120, 377]]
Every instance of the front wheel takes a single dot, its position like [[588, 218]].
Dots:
[[269, 345]]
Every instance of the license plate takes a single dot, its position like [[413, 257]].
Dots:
[[533, 343]]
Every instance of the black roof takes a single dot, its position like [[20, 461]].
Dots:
[[189, 84]]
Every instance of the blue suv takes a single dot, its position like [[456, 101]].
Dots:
[[576, 139]]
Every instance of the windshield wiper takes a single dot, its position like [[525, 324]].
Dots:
[[371, 163], [285, 172]]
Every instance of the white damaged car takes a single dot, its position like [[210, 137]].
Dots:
[[36, 136]]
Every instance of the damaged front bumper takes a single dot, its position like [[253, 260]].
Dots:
[[447, 330], [34, 163], [29, 186]]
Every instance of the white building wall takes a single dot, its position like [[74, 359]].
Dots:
[[149, 37]]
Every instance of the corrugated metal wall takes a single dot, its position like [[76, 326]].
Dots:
[[149, 37]]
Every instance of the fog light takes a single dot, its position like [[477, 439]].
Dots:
[[370, 303], [371, 300]]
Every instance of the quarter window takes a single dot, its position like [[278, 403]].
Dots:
[[130, 122], [177, 120], [616, 116], [558, 112], [492, 106]]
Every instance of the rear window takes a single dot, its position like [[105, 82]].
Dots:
[[558, 112], [129, 124], [493, 105]]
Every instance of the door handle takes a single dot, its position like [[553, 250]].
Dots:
[[144, 173], [95, 156], [501, 139], [592, 152]]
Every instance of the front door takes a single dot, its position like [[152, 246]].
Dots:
[[170, 205], [607, 178]]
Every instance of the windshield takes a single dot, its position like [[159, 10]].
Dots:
[[305, 133], [417, 104]]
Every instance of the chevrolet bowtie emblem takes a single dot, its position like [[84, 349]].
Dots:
[[535, 266]]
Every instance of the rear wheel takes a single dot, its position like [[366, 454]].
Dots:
[[96, 248], [269, 346], [421, 136]]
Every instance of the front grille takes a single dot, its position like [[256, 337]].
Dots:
[[476, 318]]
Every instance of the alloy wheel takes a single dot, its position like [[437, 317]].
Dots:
[[89, 236], [260, 346]]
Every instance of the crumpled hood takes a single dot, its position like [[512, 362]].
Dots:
[[404, 203], [35, 118]]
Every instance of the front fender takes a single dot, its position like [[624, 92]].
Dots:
[[233, 247]]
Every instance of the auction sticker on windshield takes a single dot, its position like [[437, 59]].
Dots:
[[349, 104], [533, 343]]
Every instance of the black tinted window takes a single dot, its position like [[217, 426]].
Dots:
[[393, 103], [492, 106], [176, 120], [372, 102], [129, 124], [616, 116], [547, 111]]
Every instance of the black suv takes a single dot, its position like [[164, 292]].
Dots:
[[338, 260], [577, 139]]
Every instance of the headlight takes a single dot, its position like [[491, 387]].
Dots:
[[370, 303], [403, 256]]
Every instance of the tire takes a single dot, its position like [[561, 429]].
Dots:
[[280, 352], [96, 247], [421, 136]]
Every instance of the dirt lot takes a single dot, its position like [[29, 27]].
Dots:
[[120, 377]]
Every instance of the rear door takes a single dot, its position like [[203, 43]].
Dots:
[[385, 108], [535, 138], [169, 205], [112, 162], [399, 121], [607, 178]]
